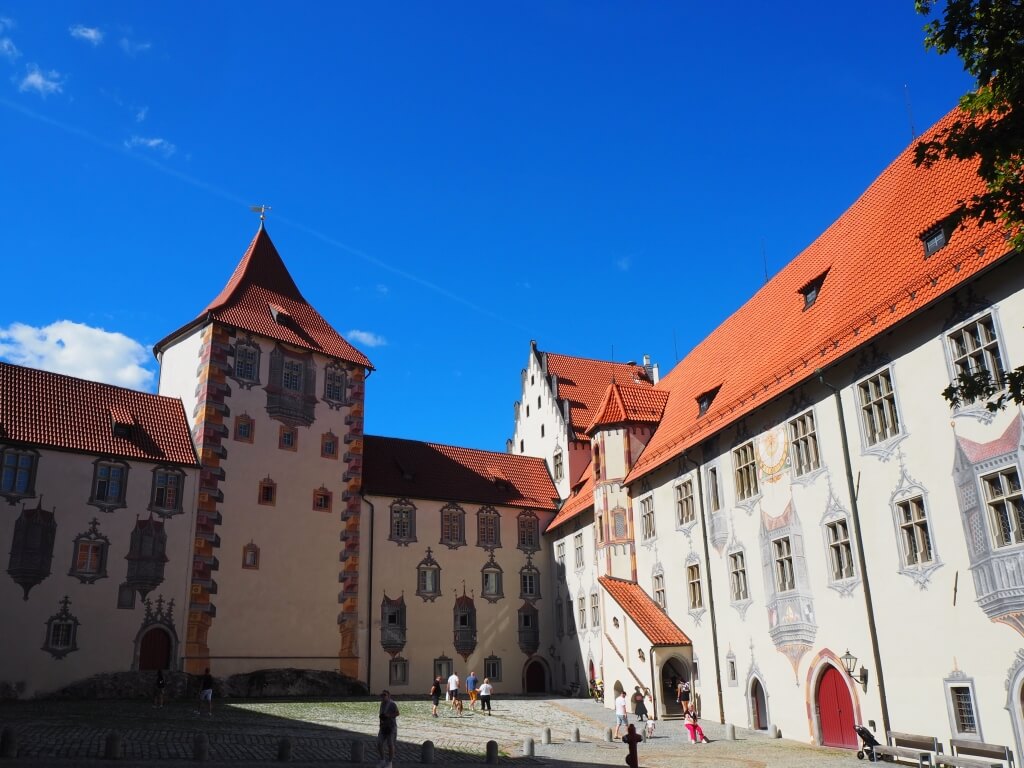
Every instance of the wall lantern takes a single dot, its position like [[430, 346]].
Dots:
[[640, 655], [850, 662]]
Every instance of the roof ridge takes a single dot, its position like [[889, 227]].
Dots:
[[84, 380], [503, 454]]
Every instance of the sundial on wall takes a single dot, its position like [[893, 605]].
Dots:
[[773, 454]]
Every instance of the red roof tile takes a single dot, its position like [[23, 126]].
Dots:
[[262, 298], [396, 467], [877, 276], [1005, 443], [629, 403], [644, 612], [51, 410], [583, 383], [580, 499]]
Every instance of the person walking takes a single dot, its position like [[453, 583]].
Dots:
[[435, 695], [639, 705], [471, 688], [158, 690], [620, 713], [206, 693], [387, 734], [453, 691], [683, 694], [485, 696]]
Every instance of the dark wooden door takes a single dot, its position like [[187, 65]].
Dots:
[[155, 650], [835, 711], [758, 706], [536, 681]]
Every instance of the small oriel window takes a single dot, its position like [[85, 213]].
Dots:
[[251, 557], [268, 492], [247, 362], [335, 385], [322, 499], [288, 438], [245, 428], [329, 445]]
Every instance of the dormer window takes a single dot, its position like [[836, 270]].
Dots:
[[704, 401], [812, 289], [933, 241], [280, 314]]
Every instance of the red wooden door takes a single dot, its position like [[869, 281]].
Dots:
[[835, 711], [155, 650]]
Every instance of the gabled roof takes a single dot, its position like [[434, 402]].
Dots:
[[629, 403], [396, 467], [262, 298], [51, 410], [1005, 443], [581, 498], [583, 382], [878, 276], [644, 612]]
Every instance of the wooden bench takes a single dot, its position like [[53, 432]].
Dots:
[[909, 746], [976, 754]]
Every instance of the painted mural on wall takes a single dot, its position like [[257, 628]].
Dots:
[[32, 547]]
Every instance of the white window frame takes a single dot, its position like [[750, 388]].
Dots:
[[803, 441], [1014, 512], [648, 528], [782, 564], [658, 588], [840, 549], [685, 506], [971, 356], [693, 585], [595, 610], [878, 408], [739, 585], [578, 548], [910, 532], [581, 612], [959, 680], [744, 461]]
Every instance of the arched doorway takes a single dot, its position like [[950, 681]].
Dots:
[[534, 677], [835, 710], [155, 650], [758, 707], [590, 668], [673, 672]]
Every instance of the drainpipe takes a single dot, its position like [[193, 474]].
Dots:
[[369, 599], [861, 560], [654, 684], [711, 592]]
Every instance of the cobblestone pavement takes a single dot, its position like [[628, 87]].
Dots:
[[66, 734]]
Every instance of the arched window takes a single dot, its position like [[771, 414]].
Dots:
[[453, 526]]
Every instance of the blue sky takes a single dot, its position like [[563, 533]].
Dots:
[[448, 180]]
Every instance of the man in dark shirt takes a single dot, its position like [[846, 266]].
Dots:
[[206, 693], [387, 736]]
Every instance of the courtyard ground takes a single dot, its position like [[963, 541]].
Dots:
[[62, 734]]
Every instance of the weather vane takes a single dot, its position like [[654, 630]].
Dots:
[[261, 210]]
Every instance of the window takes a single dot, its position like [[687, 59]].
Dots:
[[1005, 506], [335, 384], [595, 611], [288, 438], [914, 535], [491, 586], [785, 580], [542, 430], [684, 503], [291, 376], [108, 484], [522, 446], [619, 528], [732, 671], [247, 362], [329, 445], [428, 578], [453, 526], [392, 624], [322, 499], [963, 709], [167, 487], [488, 528], [251, 557], [559, 623], [529, 630], [811, 291], [581, 611], [659, 591], [291, 386], [443, 667], [245, 428], [599, 527], [933, 242], [560, 553], [18, 478], [878, 408], [647, 517], [975, 348], [403, 522], [693, 580], [738, 576], [746, 471], [568, 617], [61, 632], [89, 562], [714, 501], [88, 557], [529, 532], [805, 444], [558, 470], [840, 553], [705, 399], [529, 582], [398, 671], [938, 236], [492, 669], [268, 492], [578, 545]]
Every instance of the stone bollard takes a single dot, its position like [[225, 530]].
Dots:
[[576, 735], [545, 736], [8, 742], [607, 734], [284, 750], [427, 753], [773, 731], [113, 749], [357, 751], [201, 747], [528, 747], [492, 752], [730, 732]]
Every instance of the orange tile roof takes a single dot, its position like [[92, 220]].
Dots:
[[583, 382], [580, 499], [877, 276], [262, 298], [396, 467], [1002, 445], [629, 403], [52, 410], [644, 612]]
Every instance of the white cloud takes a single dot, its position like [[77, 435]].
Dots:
[[140, 114], [89, 34], [43, 83], [132, 47], [160, 145], [8, 49], [78, 350], [6, 23], [366, 338]]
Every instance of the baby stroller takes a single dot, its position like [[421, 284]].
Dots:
[[868, 741]]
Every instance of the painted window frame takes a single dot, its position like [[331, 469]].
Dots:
[[648, 523], [263, 498], [398, 672], [329, 446], [402, 522], [558, 466], [1014, 512], [159, 506], [581, 612], [803, 443], [288, 438], [453, 526], [323, 500], [744, 464], [108, 502], [694, 590], [528, 531], [335, 390], [492, 669], [595, 610], [529, 582], [686, 507], [488, 528], [494, 591], [839, 549], [577, 544], [10, 471], [955, 357], [783, 565], [954, 682], [880, 417], [244, 420], [250, 557], [428, 565], [245, 368]]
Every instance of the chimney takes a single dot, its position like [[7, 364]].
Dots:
[[652, 369]]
